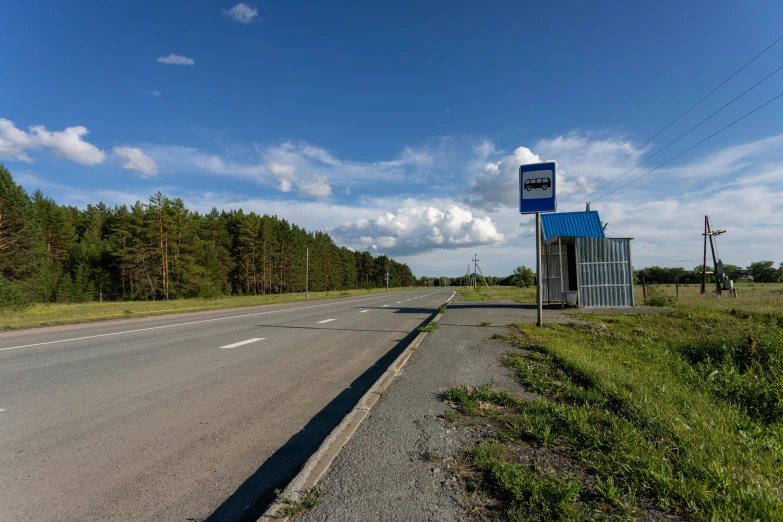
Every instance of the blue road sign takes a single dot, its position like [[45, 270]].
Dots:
[[537, 183]]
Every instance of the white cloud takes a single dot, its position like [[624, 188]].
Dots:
[[419, 229], [13, 142], [285, 186], [498, 185], [136, 160], [279, 169], [242, 13], [68, 143], [151, 93], [315, 186], [175, 59], [579, 160]]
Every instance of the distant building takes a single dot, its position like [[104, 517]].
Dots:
[[745, 275], [583, 266]]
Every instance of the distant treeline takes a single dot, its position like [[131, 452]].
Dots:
[[761, 271], [162, 250]]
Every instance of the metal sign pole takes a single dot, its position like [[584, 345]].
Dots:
[[539, 286]]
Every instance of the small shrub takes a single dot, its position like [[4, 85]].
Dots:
[[655, 297]]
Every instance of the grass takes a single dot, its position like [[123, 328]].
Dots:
[[309, 500], [429, 328], [486, 323], [55, 313], [681, 410], [761, 297], [432, 456]]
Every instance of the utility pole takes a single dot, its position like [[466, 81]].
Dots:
[[485, 279], [307, 274], [704, 264], [475, 271], [387, 279], [708, 232]]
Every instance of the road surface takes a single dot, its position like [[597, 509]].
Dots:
[[190, 416]]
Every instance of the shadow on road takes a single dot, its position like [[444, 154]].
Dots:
[[251, 499]]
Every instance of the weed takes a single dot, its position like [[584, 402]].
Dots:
[[442, 308], [486, 323], [429, 328], [451, 416], [431, 456], [310, 499], [527, 494], [608, 489]]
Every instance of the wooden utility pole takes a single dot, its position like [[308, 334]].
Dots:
[[475, 272], [708, 232], [704, 264], [307, 273], [485, 279]]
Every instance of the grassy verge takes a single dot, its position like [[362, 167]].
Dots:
[[680, 413], [55, 313], [499, 293]]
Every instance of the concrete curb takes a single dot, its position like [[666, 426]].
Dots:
[[318, 464]]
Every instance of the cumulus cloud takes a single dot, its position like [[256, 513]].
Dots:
[[497, 186], [315, 186], [420, 229], [285, 186], [68, 143], [175, 59], [137, 161], [579, 159], [242, 13]]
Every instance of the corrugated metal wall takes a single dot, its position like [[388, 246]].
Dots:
[[605, 276], [551, 277]]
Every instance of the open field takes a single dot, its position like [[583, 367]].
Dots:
[[676, 415], [55, 313], [760, 297]]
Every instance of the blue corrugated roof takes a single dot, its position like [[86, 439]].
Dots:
[[572, 224]]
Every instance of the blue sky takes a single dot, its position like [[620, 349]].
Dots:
[[399, 127]]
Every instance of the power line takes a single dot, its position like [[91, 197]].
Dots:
[[678, 138], [681, 115], [693, 146], [653, 242]]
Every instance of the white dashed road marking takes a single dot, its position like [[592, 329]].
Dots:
[[384, 306], [326, 321], [361, 312], [240, 343], [189, 323]]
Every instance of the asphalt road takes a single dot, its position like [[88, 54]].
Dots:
[[190, 416]]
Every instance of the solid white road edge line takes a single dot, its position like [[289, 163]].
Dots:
[[326, 321], [192, 322], [240, 343]]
